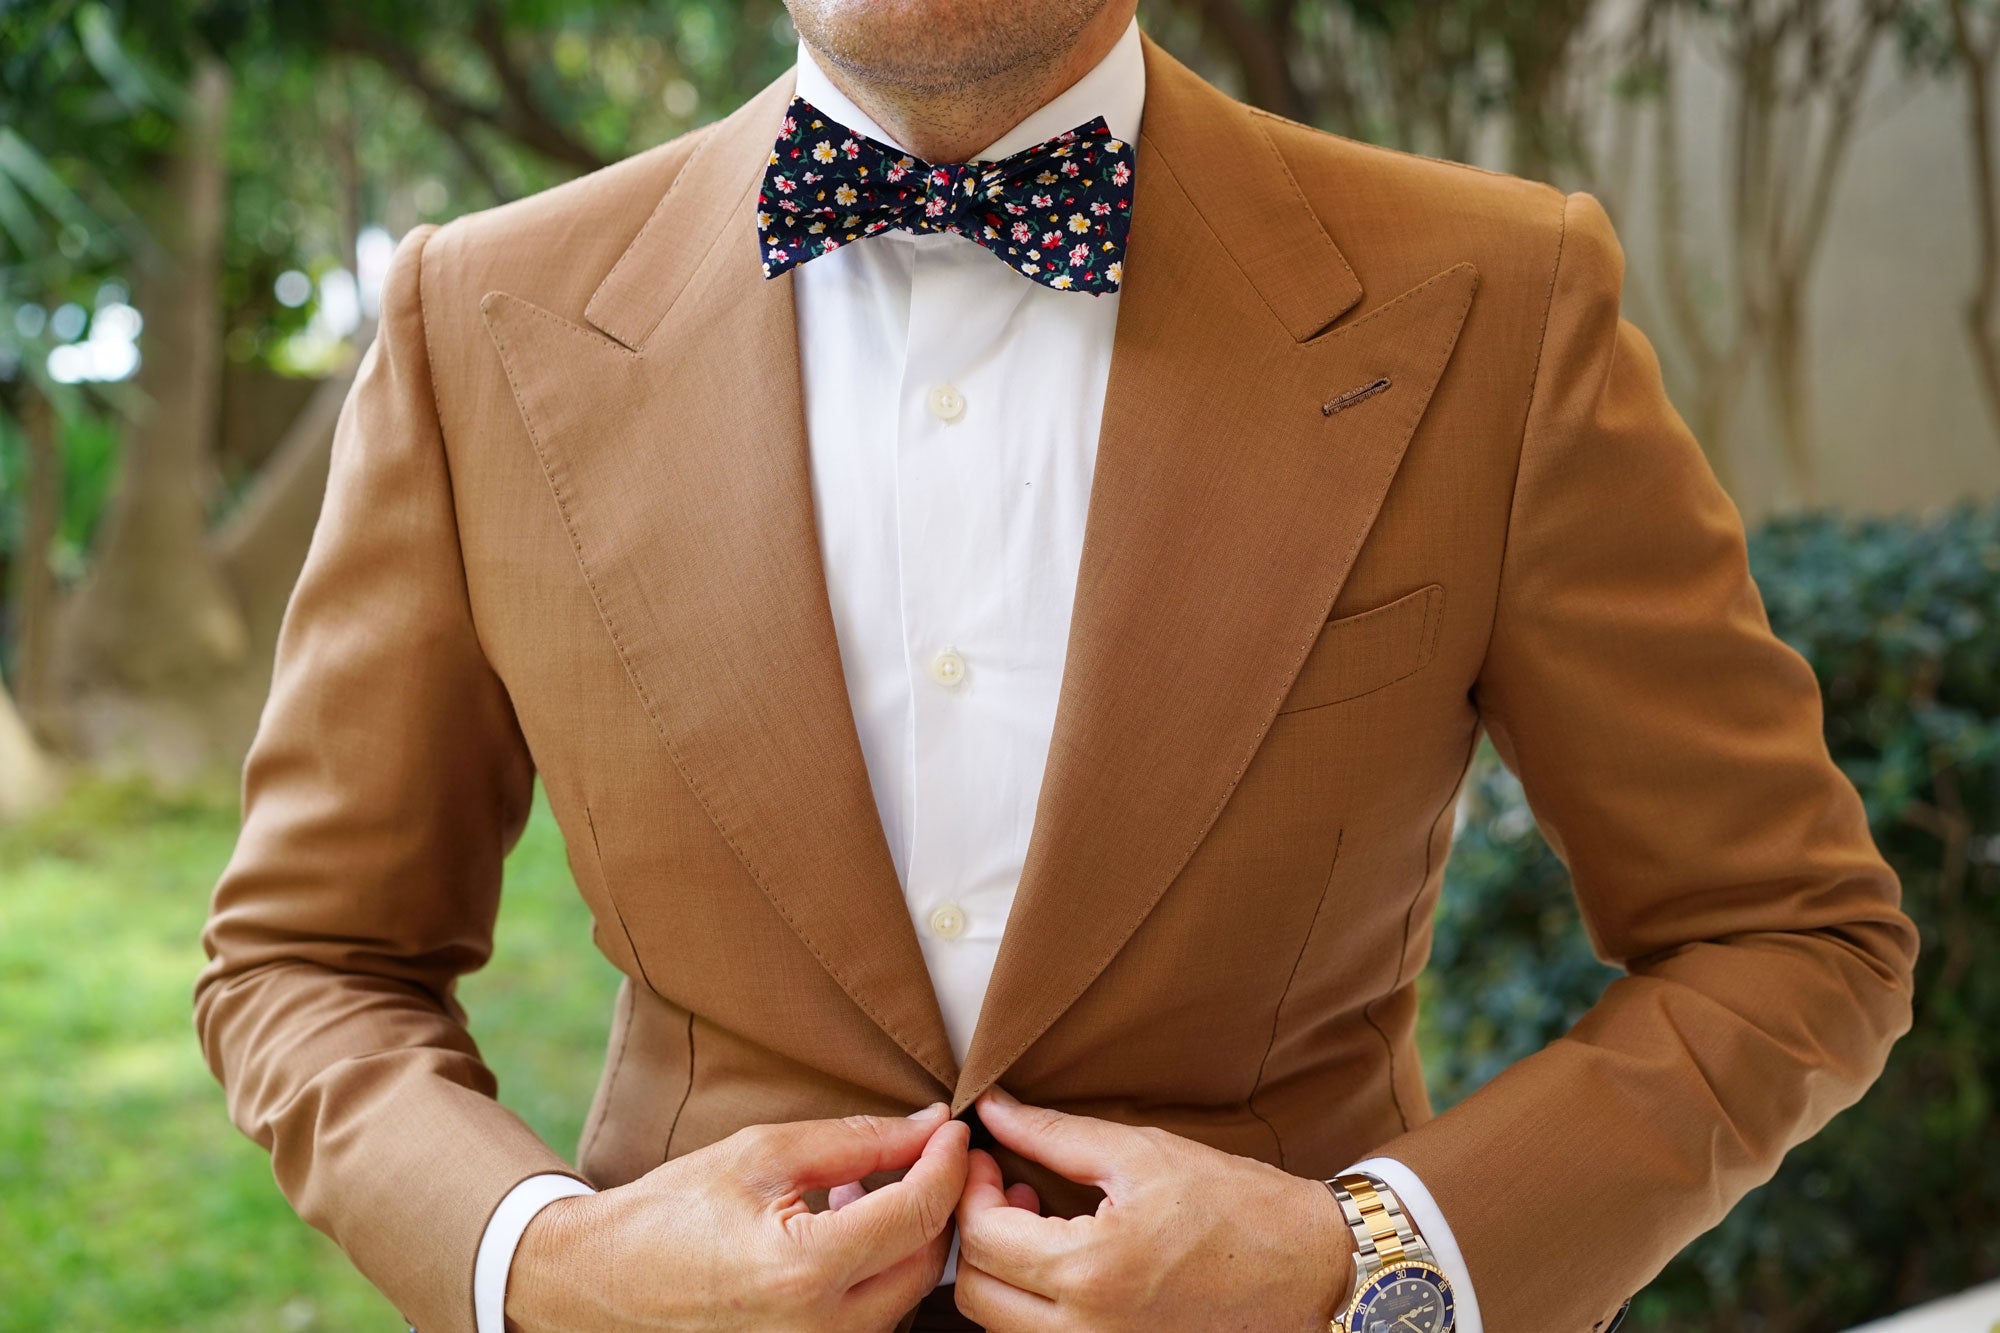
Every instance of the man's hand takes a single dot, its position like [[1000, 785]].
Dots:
[[720, 1238], [1187, 1237]]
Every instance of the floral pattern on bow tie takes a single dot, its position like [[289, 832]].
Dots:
[[1057, 212]]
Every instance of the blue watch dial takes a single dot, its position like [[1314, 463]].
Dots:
[[1404, 1298]]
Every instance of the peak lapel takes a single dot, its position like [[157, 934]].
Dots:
[[1225, 512], [673, 436]]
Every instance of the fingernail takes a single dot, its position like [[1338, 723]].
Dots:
[[928, 1113], [1000, 1094]]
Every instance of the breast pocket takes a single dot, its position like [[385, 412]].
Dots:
[[1360, 653]]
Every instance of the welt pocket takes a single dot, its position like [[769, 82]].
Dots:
[[1359, 653]]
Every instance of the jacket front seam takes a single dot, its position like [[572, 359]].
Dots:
[[1409, 920], [1278, 1010], [611, 898]]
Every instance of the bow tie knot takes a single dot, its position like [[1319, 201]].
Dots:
[[1056, 212], [953, 188]]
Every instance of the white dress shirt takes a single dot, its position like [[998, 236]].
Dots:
[[952, 409]]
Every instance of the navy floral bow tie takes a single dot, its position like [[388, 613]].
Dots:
[[1057, 212]]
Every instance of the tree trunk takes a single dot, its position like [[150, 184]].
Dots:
[[34, 590], [263, 545], [1787, 360], [155, 619], [1257, 50], [28, 779], [1982, 307], [1540, 41], [1793, 70], [1715, 371]]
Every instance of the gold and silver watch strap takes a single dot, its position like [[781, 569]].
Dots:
[[1382, 1231]]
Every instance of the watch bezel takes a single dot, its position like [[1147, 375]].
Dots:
[[1395, 1272]]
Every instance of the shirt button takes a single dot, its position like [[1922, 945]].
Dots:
[[948, 922], [947, 403], [948, 669]]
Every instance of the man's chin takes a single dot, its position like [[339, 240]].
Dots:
[[940, 45]]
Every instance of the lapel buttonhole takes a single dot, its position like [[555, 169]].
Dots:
[[1353, 396]]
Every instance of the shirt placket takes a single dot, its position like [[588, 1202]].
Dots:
[[948, 478]]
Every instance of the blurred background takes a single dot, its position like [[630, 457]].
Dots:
[[197, 201]]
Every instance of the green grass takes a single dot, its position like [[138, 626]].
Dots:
[[127, 1200]]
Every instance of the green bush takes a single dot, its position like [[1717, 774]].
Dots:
[[1898, 1200]]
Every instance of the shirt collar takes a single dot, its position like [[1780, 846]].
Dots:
[[1114, 88]]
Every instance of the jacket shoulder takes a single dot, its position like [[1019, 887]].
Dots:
[[552, 247], [1400, 217]]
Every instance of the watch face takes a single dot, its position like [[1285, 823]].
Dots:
[[1403, 1298]]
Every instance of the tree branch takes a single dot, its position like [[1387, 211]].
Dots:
[[521, 116], [455, 115]]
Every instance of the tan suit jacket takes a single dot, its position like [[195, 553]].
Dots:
[[569, 534]]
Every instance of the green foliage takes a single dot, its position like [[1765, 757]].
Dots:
[[85, 108], [346, 113], [89, 94], [1898, 1200], [1510, 965], [343, 115], [129, 1201], [89, 445]]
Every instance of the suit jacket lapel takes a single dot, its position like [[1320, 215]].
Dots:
[[673, 437], [1226, 510]]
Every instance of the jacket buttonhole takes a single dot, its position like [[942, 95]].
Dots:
[[1353, 396]]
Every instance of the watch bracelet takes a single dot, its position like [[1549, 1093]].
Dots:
[[1383, 1232], [1369, 1257]]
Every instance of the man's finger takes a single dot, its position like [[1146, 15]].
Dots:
[[1011, 1243], [1000, 1306], [1022, 1195], [982, 1178], [879, 1301], [1076, 1147], [888, 1224], [841, 1195], [818, 1154]]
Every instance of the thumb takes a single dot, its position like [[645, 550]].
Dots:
[[817, 1154], [885, 1226], [1076, 1147]]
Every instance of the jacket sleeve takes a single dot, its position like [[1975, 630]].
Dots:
[[1671, 750], [386, 782]]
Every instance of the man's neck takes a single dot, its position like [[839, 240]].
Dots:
[[952, 124]]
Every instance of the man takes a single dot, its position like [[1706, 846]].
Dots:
[[1000, 557]]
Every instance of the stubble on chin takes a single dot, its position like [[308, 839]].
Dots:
[[930, 47]]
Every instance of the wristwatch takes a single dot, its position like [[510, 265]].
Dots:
[[1398, 1286]]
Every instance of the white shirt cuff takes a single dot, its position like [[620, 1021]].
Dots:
[[503, 1236], [1429, 1222]]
